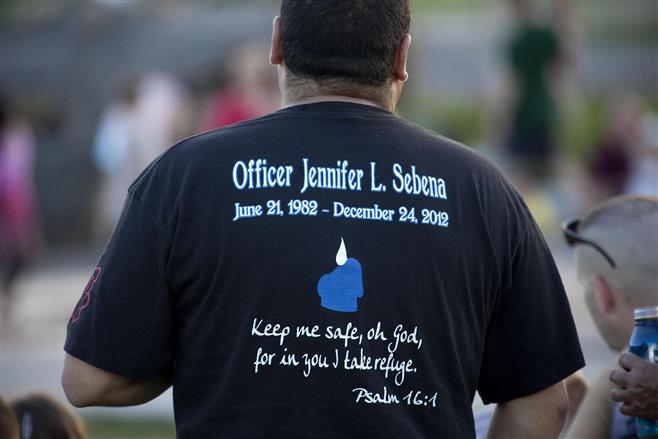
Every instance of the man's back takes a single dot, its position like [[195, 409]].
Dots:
[[329, 270]]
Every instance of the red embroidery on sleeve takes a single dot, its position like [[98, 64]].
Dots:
[[84, 301]]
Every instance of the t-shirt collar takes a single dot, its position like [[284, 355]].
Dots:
[[339, 107]]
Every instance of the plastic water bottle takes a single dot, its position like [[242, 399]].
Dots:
[[644, 343]]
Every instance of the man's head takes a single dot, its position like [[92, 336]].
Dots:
[[626, 228], [44, 417], [8, 422], [352, 48]]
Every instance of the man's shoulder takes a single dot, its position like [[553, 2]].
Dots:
[[207, 146], [206, 154], [241, 133], [213, 148], [471, 159], [230, 135]]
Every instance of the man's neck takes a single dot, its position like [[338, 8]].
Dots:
[[297, 90], [327, 98]]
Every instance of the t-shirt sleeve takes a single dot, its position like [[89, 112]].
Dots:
[[531, 340], [123, 320]]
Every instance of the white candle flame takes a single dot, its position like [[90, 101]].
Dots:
[[341, 256]]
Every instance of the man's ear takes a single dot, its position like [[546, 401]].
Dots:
[[606, 298], [276, 51], [400, 67]]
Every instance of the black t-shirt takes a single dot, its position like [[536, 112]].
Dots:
[[329, 270]]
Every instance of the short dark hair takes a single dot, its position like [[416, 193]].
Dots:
[[354, 40], [8, 422], [48, 418]]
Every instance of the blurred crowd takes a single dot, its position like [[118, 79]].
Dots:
[[150, 113], [146, 114], [540, 56]]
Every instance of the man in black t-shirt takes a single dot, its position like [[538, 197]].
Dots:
[[329, 270]]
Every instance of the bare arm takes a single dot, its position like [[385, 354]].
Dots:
[[540, 415], [577, 387], [86, 385], [595, 414]]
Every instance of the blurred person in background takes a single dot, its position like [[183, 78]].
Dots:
[[643, 178], [535, 55], [231, 307], [163, 116], [19, 226], [8, 422], [114, 140], [617, 263], [612, 160], [249, 88], [147, 115], [40, 416]]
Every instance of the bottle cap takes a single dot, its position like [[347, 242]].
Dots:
[[650, 312]]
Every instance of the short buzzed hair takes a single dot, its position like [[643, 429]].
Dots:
[[626, 227], [350, 40]]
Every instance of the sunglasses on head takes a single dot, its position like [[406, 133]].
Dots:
[[570, 230]]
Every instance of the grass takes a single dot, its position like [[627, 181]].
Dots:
[[122, 428]]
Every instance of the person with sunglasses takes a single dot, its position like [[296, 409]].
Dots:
[[616, 251]]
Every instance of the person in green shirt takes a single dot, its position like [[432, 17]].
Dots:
[[532, 54]]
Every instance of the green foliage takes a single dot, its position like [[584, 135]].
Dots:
[[441, 6], [580, 133], [459, 119]]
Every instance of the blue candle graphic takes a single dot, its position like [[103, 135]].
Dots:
[[340, 289]]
